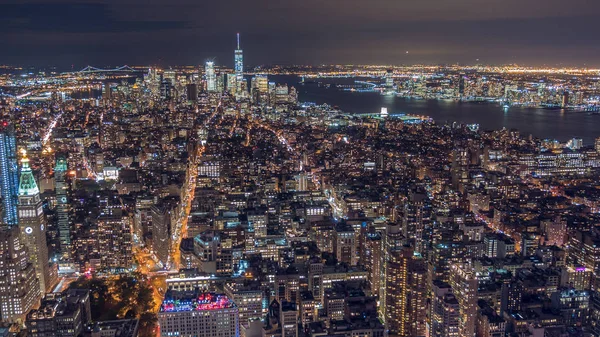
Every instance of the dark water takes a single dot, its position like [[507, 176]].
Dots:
[[542, 123]]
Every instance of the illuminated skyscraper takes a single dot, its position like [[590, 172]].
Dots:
[[239, 61], [114, 237], [248, 298], [211, 77], [389, 79], [389, 82], [33, 224], [416, 221], [9, 174], [345, 244], [260, 89], [406, 286], [166, 90], [565, 99], [463, 281], [461, 85], [19, 287], [239, 67], [161, 228], [62, 211], [231, 83], [373, 259]]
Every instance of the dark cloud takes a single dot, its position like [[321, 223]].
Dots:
[[311, 31], [49, 17]]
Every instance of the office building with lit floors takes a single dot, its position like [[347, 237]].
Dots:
[[198, 314], [19, 286], [345, 244], [464, 283], [443, 311], [32, 224], [288, 319], [211, 77], [114, 238], [9, 173], [163, 216], [249, 299], [63, 209], [63, 314]]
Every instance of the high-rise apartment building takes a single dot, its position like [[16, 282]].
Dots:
[[389, 79], [345, 244], [443, 311], [406, 288], [114, 238], [258, 218], [230, 81], [416, 221], [248, 298], [373, 260], [61, 314], [392, 241], [463, 281], [19, 286], [260, 89], [583, 248], [214, 252]]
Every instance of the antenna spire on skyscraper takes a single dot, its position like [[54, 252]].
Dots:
[[238, 61]]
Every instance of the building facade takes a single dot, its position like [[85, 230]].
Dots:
[[19, 286], [9, 173], [191, 314], [32, 224]]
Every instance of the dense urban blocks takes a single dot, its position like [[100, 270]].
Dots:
[[206, 201]]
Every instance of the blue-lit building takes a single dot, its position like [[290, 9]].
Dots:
[[9, 174], [211, 77], [239, 64]]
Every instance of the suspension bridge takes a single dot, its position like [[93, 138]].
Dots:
[[94, 70]]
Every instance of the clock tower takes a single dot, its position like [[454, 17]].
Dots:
[[32, 224]]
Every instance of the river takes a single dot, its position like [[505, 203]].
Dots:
[[542, 123]]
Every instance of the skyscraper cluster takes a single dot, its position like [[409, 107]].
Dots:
[[24, 263]]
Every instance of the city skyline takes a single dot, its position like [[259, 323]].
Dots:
[[225, 199], [375, 32]]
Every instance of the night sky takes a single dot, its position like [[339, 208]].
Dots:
[[189, 32]]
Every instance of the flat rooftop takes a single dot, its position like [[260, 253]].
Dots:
[[178, 301]]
